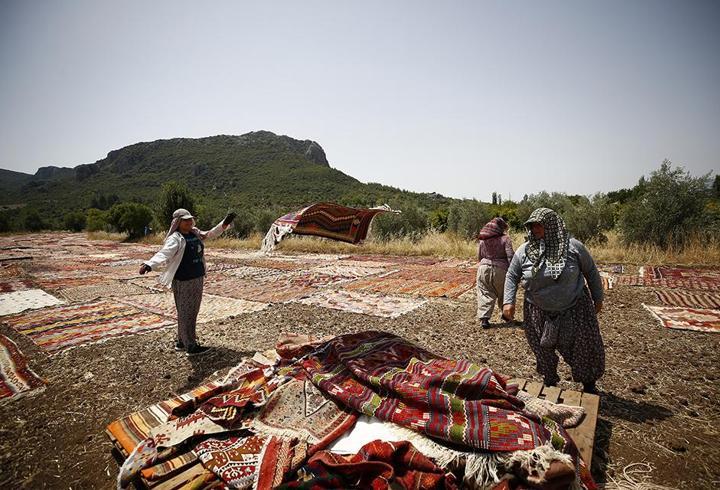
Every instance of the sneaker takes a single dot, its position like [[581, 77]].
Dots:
[[197, 350], [179, 346], [485, 323]]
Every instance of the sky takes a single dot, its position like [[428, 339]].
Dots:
[[462, 98]]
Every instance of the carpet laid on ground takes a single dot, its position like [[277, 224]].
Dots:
[[28, 299], [683, 318], [363, 303], [62, 327], [212, 307], [689, 299], [16, 377]]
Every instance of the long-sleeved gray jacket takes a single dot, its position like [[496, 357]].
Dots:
[[547, 293]]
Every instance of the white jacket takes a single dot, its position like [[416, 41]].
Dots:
[[170, 255]]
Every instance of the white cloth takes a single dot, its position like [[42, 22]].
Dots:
[[170, 255], [29, 299], [367, 429]]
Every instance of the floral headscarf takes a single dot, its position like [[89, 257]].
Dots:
[[551, 250], [493, 228]]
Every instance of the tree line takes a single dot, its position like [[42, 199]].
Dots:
[[668, 208]]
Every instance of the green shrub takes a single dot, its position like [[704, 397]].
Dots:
[[468, 217], [130, 218], [669, 210], [412, 222], [586, 218], [96, 220], [74, 221], [33, 221], [173, 195]]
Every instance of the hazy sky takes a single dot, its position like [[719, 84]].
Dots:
[[460, 98]]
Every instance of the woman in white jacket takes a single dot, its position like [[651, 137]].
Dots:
[[182, 255]]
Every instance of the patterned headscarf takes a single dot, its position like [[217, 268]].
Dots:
[[551, 250], [175, 224], [494, 227]]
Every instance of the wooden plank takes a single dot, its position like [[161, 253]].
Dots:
[[517, 381], [570, 397], [586, 430], [534, 388], [552, 393]]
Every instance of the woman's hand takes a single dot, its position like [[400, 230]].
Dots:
[[228, 220], [509, 312], [145, 268], [598, 307]]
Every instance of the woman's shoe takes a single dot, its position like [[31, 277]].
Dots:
[[197, 350], [179, 346], [485, 323]]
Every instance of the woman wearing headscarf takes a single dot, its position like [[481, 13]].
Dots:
[[183, 255], [494, 254], [560, 310]]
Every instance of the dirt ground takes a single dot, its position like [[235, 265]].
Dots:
[[659, 419]]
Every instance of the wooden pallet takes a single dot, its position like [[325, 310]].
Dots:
[[583, 434]]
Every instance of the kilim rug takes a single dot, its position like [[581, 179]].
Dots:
[[217, 266], [327, 220], [212, 307], [436, 274], [29, 299], [299, 410], [363, 303], [237, 460], [16, 378], [308, 279], [384, 376], [709, 275], [395, 259], [607, 279], [417, 287], [129, 431], [700, 320], [150, 283], [611, 268], [62, 327], [10, 285], [350, 271], [378, 465], [270, 291], [69, 282], [99, 291], [250, 272], [280, 264], [689, 299], [672, 283]]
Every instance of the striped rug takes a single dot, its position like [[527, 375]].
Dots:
[[688, 299], [63, 327], [16, 378]]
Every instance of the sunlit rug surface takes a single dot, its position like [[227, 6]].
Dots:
[[689, 299], [212, 307], [29, 299], [63, 327], [16, 378], [700, 320], [367, 304]]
